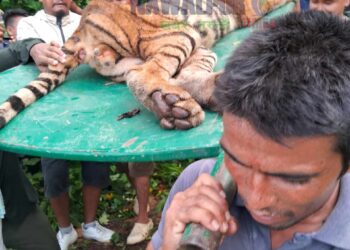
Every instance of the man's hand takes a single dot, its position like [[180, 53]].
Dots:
[[44, 54], [204, 203], [75, 8]]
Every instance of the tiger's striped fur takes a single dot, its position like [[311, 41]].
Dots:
[[164, 59]]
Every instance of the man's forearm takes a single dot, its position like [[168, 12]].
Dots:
[[17, 53]]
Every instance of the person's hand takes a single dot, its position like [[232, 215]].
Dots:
[[1, 33], [75, 8], [204, 203], [44, 54]]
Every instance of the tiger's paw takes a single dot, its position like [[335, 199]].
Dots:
[[175, 112], [104, 57]]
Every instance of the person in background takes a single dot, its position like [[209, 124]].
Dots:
[[11, 18], [2, 30], [336, 7], [25, 226], [139, 176], [54, 24], [285, 97]]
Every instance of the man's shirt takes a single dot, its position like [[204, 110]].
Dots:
[[45, 27], [251, 235]]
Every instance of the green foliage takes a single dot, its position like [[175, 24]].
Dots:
[[164, 177], [81, 3], [31, 6]]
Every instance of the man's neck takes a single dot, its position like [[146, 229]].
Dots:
[[310, 224]]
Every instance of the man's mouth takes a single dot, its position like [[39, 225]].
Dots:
[[267, 218], [60, 4]]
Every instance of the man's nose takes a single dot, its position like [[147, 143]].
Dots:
[[259, 194]]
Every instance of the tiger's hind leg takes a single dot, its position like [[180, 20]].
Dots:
[[173, 105], [197, 77]]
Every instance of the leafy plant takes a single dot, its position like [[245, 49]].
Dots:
[[31, 6]]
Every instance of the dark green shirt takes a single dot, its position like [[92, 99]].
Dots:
[[17, 53], [18, 193]]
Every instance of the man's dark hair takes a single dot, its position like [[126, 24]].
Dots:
[[292, 79], [11, 13]]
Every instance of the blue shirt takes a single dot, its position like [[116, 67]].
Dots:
[[334, 234], [304, 4]]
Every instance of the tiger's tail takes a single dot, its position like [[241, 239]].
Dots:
[[41, 86]]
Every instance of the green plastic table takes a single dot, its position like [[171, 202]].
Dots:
[[78, 121]]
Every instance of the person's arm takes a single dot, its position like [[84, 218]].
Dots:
[[75, 8], [17, 53], [178, 211], [204, 203], [44, 54], [21, 52]]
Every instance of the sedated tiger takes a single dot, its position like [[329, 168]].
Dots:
[[161, 49]]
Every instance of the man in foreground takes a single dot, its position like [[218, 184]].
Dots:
[[285, 96]]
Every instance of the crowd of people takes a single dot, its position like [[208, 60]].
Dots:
[[39, 38], [285, 101]]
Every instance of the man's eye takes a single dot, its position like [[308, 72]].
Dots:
[[296, 180]]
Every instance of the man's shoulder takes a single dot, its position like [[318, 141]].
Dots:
[[30, 19], [191, 173]]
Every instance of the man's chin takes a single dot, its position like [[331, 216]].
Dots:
[[61, 12]]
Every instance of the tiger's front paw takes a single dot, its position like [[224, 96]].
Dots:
[[175, 112]]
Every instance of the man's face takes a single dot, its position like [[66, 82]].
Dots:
[[280, 184], [335, 7], [53, 7], [12, 28]]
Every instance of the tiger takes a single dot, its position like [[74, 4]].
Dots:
[[160, 49]]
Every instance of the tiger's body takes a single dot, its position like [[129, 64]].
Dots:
[[164, 59]]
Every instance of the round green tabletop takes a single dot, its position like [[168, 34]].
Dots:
[[78, 121]]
